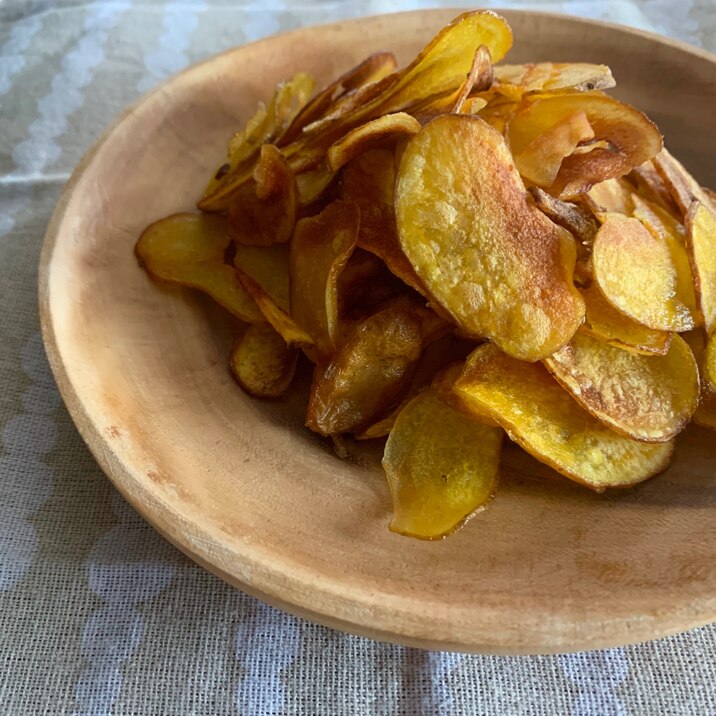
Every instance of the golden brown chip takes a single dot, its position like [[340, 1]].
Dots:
[[632, 138], [313, 184], [651, 186], [604, 321], [701, 243], [369, 181], [683, 188], [709, 364], [642, 275], [262, 363], [547, 422], [320, 248], [472, 105], [658, 220], [441, 467], [490, 260], [263, 212], [268, 266], [368, 373], [188, 249], [371, 135], [648, 398], [615, 195], [553, 77]]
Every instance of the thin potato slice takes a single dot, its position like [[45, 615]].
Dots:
[[701, 243], [604, 321], [188, 249], [544, 419], [648, 398], [709, 364], [371, 135], [651, 186], [262, 363], [320, 248], [313, 184], [441, 467], [615, 195], [683, 187], [489, 259], [367, 375], [657, 219], [268, 266], [553, 77], [642, 276], [264, 212]]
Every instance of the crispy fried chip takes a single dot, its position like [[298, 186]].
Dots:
[[615, 195], [544, 419], [320, 248], [632, 138], [553, 77], [651, 186], [492, 261], [709, 364], [263, 212], [188, 249], [683, 188], [441, 467], [642, 275], [369, 181], [367, 375], [604, 321], [262, 363], [371, 135], [658, 220], [701, 243], [312, 184], [648, 398]]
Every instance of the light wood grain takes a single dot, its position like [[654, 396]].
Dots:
[[244, 489]]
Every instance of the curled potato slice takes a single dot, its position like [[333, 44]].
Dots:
[[489, 259], [320, 248], [368, 373], [615, 195], [188, 249], [262, 363], [544, 419], [553, 77], [651, 186], [263, 212], [371, 135], [683, 188], [604, 321], [659, 221], [648, 398], [441, 467], [642, 275], [701, 243]]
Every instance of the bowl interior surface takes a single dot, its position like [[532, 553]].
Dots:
[[244, 489]]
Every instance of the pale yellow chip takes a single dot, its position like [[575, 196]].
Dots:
[[555, 76], [648, 398], [613, 195], [441, 467], [709, 364], [489, 259], [546, 421], [642, 275], [701, 243]]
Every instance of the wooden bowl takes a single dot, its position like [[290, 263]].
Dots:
[[242, 488]]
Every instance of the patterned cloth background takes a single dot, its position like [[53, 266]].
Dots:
[[98, 615]]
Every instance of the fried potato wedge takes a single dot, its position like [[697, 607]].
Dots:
[[320, 248], [543, 418], [701, 243], [188, 249], [647, 398], [369, 181], [374, 134], [263, 212], [441, 467], [604, 321], [262, 363], [632, 137], [368, 373], [642, 275], [489, 259], [553, 77]]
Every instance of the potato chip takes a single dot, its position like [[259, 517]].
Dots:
[[320, 248], [683, 187], [547, 422], [472, 105], [604, 321], [632, 137], [701, 243], [539, 161], [441, 467], [367, 374], [263, 212], [312, 185], [709, 364], [553, 77], [658, 220], [262, 363], [264, 127], [490, 260], [643, 275], [371, 135], [188, 249], [268, 266], [615, 195], [651, 186], [369, 181], [648, 398]]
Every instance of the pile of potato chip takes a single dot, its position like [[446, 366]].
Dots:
[[463, 249]]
